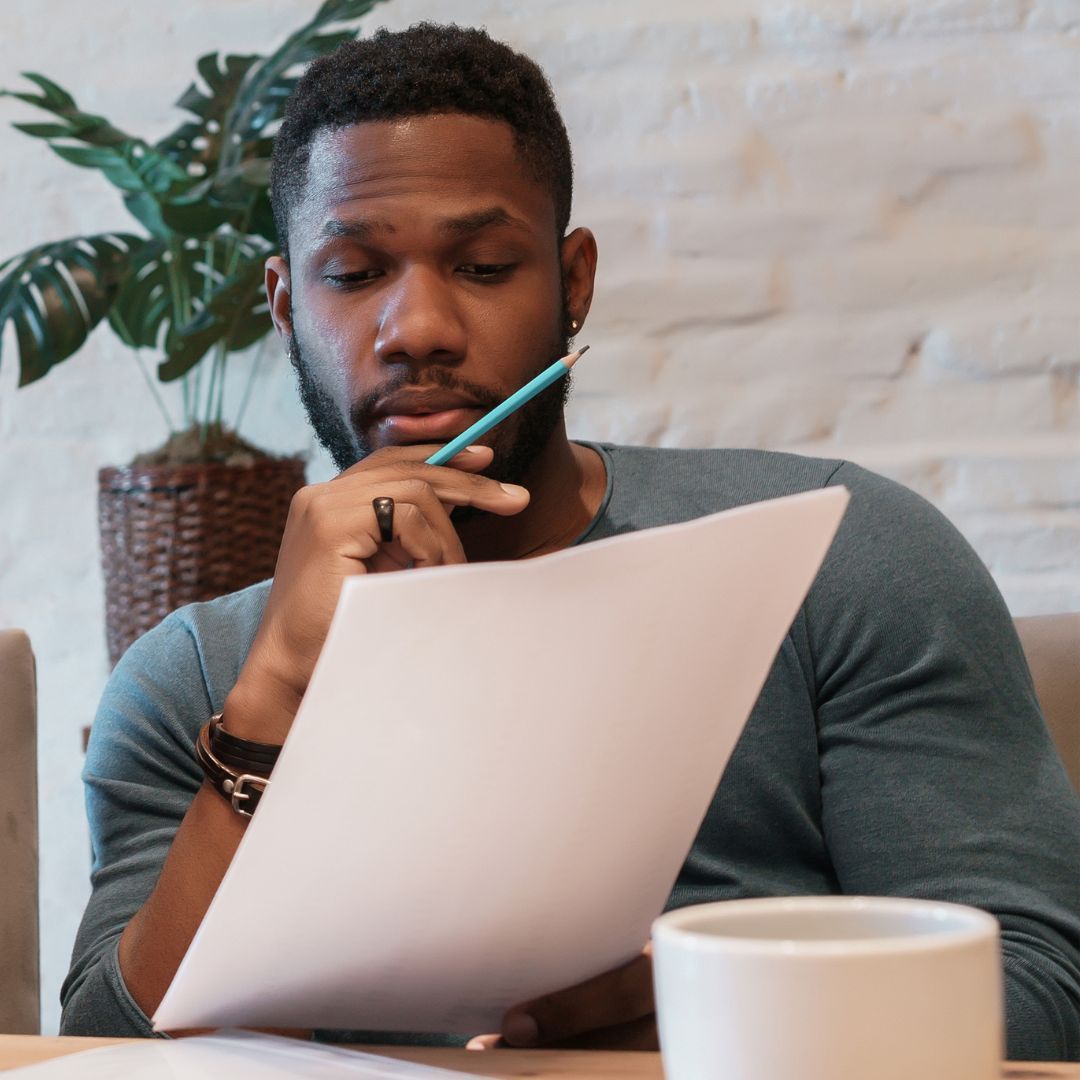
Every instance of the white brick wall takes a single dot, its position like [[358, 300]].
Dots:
[[845, 228]]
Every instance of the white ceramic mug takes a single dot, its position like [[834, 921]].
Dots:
[[829, 988]]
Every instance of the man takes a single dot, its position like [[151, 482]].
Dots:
[[422, 188]]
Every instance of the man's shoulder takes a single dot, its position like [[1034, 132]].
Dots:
[[659, 486], [736, 476], [654, 486], [227, 620], [200, 646], [761, 474]]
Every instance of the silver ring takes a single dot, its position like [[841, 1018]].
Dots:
[[384, 515]]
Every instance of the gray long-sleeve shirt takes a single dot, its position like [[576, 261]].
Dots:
[[896, 749]]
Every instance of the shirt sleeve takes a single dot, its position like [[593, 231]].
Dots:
[[938, 775], [140, 776]]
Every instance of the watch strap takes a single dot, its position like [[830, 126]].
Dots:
[[243, 754], [238, 769]]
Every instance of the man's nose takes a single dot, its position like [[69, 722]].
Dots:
[[420, 320]]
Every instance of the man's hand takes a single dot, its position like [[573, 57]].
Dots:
[[332, 534], [613, 1011]]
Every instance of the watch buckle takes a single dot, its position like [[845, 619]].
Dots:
[[238, 795]]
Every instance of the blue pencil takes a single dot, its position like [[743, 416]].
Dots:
[[511, 404]]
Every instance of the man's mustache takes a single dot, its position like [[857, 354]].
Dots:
[[362, 412]]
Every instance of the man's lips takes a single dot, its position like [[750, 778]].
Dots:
[[439, 426], [424, 415]]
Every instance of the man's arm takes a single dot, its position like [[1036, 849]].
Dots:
[[163, 840], [140, 776], [938, 776]]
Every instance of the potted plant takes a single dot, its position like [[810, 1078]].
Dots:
[[202, 514]]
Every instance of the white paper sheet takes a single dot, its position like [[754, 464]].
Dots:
[[495, 776], [240, 1055]]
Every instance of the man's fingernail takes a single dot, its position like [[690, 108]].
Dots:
[[520, 1030], [474, 449], [514, 489]]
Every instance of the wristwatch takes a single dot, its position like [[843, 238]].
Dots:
[[238, 769]]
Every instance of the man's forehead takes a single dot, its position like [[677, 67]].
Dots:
[[435, 168], [382, 156]]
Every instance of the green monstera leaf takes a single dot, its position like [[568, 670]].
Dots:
[[170, 284], [198, 142], [150, 180], [260, 101], [235, 108], [194, 285], [132, 166], [237, 313], [73, 122], [55, 294]]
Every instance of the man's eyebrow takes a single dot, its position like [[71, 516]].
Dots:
[[481, 219], [360, 229], [364, 230]]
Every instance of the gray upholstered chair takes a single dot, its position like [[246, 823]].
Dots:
[[19, 978], [1052, 646]]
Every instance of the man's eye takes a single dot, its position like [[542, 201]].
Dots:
[[354, 277], [486, 271]]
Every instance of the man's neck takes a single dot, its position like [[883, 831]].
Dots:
[[566, 483]]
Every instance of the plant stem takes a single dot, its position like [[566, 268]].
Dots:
[[206, 410], [221, 348], [179, 317], [150, 384], [222, 353], [208, 280], [219, 412], [259, 350], [196, 374], [152, 387]]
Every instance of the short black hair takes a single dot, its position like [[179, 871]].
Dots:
[[425, 69]]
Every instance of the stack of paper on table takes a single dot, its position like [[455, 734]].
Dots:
[[240, 1055], [495, 776]]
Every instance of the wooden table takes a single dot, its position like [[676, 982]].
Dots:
[[18, 1050]]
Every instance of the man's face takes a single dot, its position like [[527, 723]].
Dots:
[[425, 287]]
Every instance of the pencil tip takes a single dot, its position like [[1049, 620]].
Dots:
[[575, 356]]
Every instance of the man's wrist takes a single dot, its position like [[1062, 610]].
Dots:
[[259, 709], [237, 769]]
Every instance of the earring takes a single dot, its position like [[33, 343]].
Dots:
[[574, 324]]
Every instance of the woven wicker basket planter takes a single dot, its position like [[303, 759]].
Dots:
[[175, 534]]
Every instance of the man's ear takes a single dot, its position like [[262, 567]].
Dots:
[[279, 295], [578, 258]]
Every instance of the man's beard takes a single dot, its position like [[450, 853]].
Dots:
[[515, 451]]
